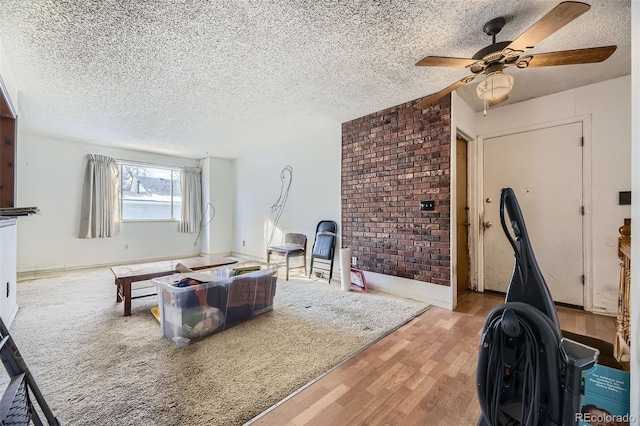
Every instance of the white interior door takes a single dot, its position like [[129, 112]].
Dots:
[[544, 168]]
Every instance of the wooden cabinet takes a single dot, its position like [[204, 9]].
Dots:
[[623, 320], [8, 136], [8, 259]]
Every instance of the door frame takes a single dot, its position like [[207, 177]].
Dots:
[[456, 205], [476, 207], [459, 134]]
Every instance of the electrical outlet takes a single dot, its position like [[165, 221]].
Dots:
[[354, 260], [428, 205], [126, 246], [243, 243]]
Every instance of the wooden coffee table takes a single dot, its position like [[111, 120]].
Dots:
[[127, 274]]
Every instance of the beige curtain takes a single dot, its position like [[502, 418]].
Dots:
[[191, 188], [100, 216]]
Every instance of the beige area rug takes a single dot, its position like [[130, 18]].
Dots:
[[97, 367]]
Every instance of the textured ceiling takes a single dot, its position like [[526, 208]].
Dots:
[[196, 78]]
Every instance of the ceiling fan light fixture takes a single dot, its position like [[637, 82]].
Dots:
[[495, 86]]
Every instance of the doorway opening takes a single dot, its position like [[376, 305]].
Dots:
[[463, 259]]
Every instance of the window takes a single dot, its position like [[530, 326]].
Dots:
[[149, 192]]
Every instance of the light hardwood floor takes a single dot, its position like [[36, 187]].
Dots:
[[422, 374]]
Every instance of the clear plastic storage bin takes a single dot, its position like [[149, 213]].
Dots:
[[212, 300]]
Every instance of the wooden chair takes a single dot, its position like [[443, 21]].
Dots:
[[295, 245]]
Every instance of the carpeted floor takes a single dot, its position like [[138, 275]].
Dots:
[[96, 366]]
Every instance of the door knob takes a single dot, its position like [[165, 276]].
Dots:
[[487, 225]]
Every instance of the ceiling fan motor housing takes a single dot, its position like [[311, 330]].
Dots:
[[491, 53]]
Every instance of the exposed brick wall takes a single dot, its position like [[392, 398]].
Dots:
[[391, 160]]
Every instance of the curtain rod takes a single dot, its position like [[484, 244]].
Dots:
[[146, 163]]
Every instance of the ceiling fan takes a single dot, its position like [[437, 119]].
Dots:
[[493, 59]]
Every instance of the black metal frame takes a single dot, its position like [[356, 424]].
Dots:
[[324, 246], [16, 405]]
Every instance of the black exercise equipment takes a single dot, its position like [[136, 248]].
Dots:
[[528, 374]]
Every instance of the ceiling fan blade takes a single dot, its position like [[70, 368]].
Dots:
[[434, 97], [557, 18], [567, 57], [498, 101], [443, 61]]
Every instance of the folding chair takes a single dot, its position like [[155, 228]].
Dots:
[[16, 406], [324, 245]]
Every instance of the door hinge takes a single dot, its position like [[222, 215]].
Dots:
[[583, 279], [582, 210], [582, 141]]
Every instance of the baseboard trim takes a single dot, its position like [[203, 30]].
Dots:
[[125, 262], [433, 294]]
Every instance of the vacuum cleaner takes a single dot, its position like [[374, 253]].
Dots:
[[528, 374]]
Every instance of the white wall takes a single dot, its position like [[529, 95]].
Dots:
[[50, 177], [314, 194], [463, 118], [635, 220], [609, 106], [218, 188]]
